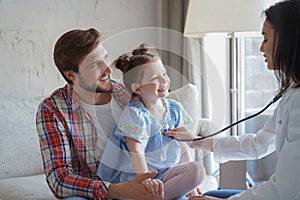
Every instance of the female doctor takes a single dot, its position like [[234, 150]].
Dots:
[[281, 133]]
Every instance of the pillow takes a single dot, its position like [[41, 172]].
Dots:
[[188, 97]]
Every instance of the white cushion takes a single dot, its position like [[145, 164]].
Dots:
[[22, 188], [188, 97], [19, 146]]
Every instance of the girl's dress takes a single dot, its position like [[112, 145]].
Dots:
[[138, 123]]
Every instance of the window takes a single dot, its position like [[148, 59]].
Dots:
[[258, 86]]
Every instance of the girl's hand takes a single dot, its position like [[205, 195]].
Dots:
[[155, 187], [180, 133]]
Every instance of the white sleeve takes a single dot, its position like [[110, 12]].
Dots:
[[246, 146], [285, 182]]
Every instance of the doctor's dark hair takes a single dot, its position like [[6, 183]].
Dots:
[[72, 48], [285, 20], [129, 64]]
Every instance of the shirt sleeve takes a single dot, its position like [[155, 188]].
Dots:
[[55, 149], [134, 123], [284, 183], [246, 146]]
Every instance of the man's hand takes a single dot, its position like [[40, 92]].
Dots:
[[156, 187], [133, 189]]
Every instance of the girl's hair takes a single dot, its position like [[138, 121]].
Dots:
[[285, 20], [72, 47], [129, 64]]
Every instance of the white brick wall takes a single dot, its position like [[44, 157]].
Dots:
[[29, 29]]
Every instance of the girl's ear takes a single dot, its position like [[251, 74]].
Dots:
[[135, 87], [70, 75]]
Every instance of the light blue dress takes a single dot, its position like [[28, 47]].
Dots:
[[138, 123]]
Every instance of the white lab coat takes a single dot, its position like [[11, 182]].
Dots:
[[282, 134]]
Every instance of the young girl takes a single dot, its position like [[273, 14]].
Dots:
[[281, 133], [138, 144]]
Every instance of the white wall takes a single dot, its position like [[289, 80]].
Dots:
[[29, 30]]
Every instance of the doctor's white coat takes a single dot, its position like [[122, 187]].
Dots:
[[281, 133]]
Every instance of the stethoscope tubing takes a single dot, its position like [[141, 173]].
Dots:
[[231, 125]]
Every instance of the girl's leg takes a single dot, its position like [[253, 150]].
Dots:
[[182, 179]]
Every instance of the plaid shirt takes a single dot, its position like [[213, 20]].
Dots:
[[68, 138]]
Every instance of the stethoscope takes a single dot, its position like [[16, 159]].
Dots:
[[231, 125]]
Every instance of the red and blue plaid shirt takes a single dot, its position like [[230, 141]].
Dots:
[[68, 144]]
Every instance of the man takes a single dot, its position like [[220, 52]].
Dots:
[[74, 122]]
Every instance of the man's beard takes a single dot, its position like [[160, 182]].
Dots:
[[93, 88]]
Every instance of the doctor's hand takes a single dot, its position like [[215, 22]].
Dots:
[[183, 133], [180, 133]]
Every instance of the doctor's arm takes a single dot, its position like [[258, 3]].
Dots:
[[285, 182], [225, 148]]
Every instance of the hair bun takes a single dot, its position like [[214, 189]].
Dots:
[[143, 49], [123, 62]]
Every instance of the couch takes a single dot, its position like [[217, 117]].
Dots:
[[21, 168]]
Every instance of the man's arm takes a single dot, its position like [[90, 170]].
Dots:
[[55, 149], [133, 189]]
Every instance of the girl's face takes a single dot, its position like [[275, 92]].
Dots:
[[154, 82], [267, 44]]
